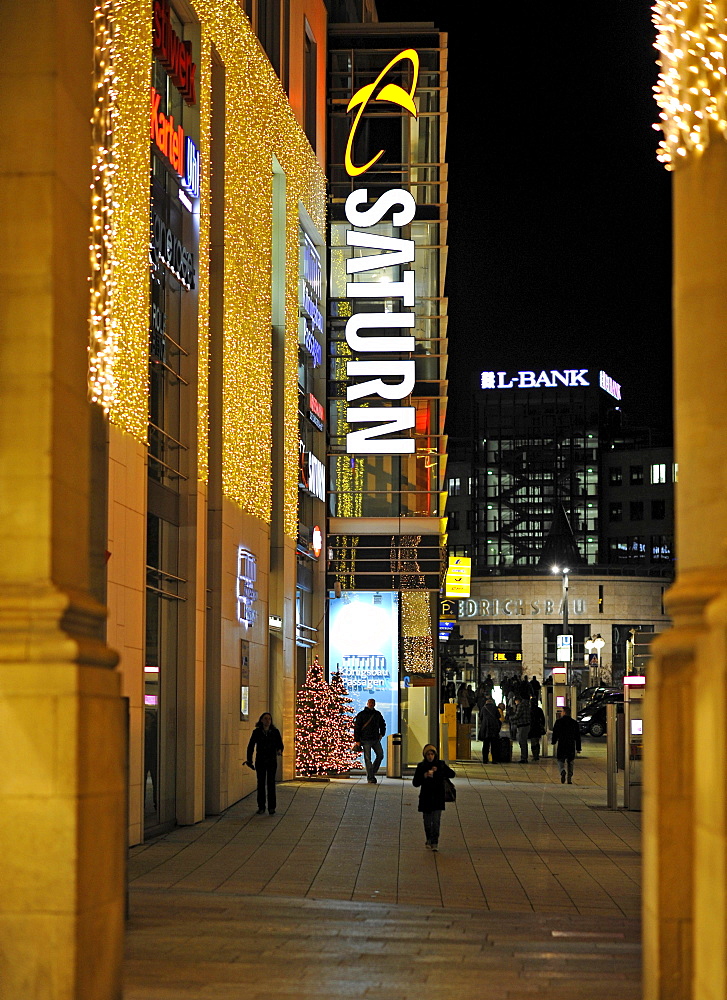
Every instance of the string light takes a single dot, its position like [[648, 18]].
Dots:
[[690, 91], [318, 726], [346, 757], [417, 647]]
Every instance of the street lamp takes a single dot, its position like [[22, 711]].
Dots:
[[597, 643], [566, 631]]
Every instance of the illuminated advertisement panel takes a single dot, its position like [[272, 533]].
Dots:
[[366, 376], [364, 646]]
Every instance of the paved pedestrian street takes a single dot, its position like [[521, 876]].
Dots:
[[535, 891]]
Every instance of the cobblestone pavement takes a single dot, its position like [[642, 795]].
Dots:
[[535, 890]]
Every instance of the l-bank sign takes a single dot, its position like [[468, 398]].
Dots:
[[388, 381], [569, 377]]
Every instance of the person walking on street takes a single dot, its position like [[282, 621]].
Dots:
[[567, 735], [520, 721], [463, 703], [429, 779], [537, 727], [269, 743], [490, 731], [535, 687], [368, 728]]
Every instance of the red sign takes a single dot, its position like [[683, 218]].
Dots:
[[316, 409], [173, 53], [168, 139]]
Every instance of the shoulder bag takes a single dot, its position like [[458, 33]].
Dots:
[[450, 792]]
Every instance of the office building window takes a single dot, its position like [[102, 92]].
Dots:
[[268, 30], [454, 487], [658, 473], [615, 511], [658, 510], [636, 510], [627, 550], [661, 549], [636, 475], [453, 521], [614, 476]]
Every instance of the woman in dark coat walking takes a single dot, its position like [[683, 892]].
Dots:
[[429, 779], [269, 745]]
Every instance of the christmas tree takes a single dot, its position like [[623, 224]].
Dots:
[[346, 757], [317, 725]]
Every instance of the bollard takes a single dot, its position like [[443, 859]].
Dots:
[[393, 755], [611, 756]]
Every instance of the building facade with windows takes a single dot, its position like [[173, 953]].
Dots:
[[387, 338], [216, 445], [551, 477]]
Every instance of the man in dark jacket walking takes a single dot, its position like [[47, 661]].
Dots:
[[520, 721], [490, 730], [567, 735], [368, 728]]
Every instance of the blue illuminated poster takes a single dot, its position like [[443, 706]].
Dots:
[[363, 644]]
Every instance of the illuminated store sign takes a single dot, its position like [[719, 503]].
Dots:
[[612, 388], [316, 412], [168, 250], [312, 346], [175, 146], [174, 53], [571, 378], [312, 474], [388, 380], [309, 300], [363, 643], [317, 541], [489, 608], [246, 592], [459, 574]]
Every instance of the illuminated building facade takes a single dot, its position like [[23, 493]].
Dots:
[[551, 478], [155, 589], [387, 365], [206, 364]]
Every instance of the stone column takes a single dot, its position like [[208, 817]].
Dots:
[[62, 721], [686, 766]]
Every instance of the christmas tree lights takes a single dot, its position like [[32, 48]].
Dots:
[[346, 757], [317, 726]]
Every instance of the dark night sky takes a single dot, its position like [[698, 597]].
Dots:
[[560, 216]]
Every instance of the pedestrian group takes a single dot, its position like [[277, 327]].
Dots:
[[520, 711]]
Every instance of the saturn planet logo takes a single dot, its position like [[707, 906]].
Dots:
[[391, 92]]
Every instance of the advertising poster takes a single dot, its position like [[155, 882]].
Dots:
[[364, 647]]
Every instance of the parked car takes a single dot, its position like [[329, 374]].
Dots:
[[590, 694], [592, 719]]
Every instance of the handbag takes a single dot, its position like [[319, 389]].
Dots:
[[450, 792]]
